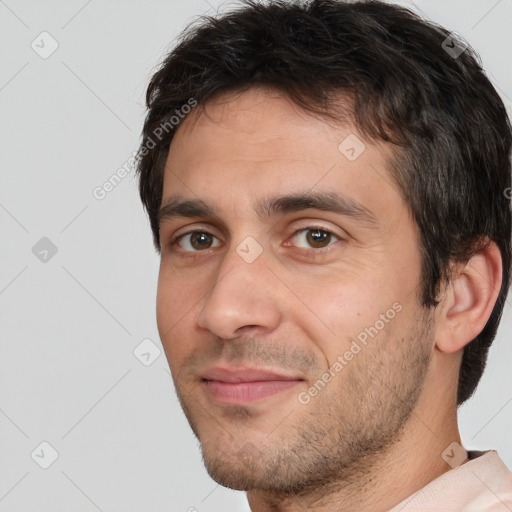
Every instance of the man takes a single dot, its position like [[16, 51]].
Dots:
[[328, 185]]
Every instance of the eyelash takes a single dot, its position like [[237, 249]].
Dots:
[[175, 241]]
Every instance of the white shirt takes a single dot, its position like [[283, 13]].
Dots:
[[482, 484]]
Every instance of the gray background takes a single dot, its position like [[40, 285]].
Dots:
[[70, 323]]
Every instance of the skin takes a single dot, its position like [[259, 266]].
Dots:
[[375, 433]]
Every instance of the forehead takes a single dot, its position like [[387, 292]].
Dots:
[[259, 142], [256, 123]]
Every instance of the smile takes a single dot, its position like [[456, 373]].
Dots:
[[245, 385]]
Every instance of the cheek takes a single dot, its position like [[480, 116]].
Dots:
[[172, 332], [175, 294], [174, 306], [339, 311], [165, 311]]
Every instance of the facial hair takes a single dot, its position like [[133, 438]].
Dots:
[[335, 439]]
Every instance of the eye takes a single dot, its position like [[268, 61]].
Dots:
[[196, 241], [315, 238]]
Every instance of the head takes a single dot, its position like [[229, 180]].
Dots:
[[338, 168]]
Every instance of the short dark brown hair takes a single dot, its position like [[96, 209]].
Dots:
[[412, 84]]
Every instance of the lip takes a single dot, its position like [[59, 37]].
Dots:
[[244, 374], [245, 385]]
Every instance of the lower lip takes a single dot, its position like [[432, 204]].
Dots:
[[243, 392]]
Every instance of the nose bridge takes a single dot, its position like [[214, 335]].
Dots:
[[240, 296]]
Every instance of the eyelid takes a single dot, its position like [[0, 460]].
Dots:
[[193, 228], [313, 224]]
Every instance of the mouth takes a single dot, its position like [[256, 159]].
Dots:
[[241, 385]]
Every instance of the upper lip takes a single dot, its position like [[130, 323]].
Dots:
[[244, 374]]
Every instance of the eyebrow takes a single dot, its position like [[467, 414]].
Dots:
[[273, 206]]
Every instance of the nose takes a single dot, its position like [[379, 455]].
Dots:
[[243, 297]]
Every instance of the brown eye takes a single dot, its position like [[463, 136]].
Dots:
[[197, 241], [318, 238], [314, 238]]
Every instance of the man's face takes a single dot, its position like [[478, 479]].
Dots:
[[292, 326]]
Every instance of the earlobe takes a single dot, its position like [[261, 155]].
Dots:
[[469, 299]]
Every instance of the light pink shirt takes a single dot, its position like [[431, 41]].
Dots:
[[482, 484]]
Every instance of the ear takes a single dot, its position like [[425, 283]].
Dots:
[[469, 299]]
